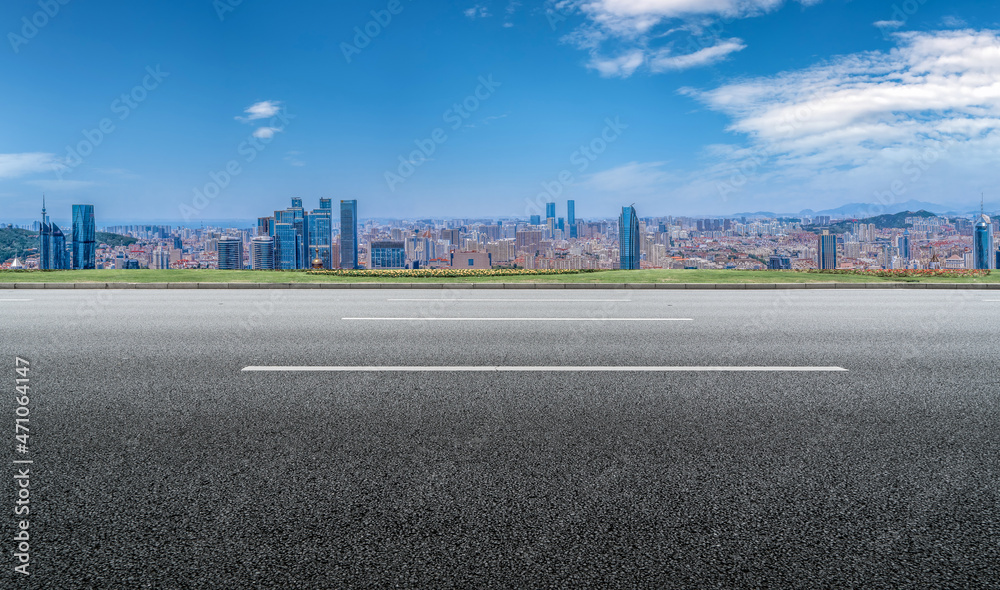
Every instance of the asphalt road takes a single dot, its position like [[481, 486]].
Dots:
[[160, 463]]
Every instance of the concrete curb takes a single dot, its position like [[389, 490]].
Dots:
[[441, 286]]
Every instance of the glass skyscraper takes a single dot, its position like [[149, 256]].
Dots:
[[349, 234], [84, 238], [550, 210], [230, 253], [571, 217], [51, 245], [628, 239], [827, 251], [262, 253], [388, 254], [983, 244], [320, 232]]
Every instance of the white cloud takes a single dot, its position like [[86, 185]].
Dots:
[[889, 24], [292, 158], [953, 22], [261, 110], [623, 27], [633, 178], [666, 61], [16, 165], [477, 11], [919, 121], [621, 66], [266, 132]]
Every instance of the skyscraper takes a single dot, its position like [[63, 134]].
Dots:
[[550, 210], [388, 254], [262, 253], [571, 217], [904, 245], [286, 242], [827, 251], [628, 239], [51, 245], [230, 253], [320, 232], [84, 238], [349, 234], [536, 220], [982, 243]]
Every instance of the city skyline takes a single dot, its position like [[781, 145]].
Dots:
[[682, 108]]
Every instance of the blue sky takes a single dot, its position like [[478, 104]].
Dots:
[[226, 109]]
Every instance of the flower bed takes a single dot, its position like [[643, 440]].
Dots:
[[444, 273], [948, 273]]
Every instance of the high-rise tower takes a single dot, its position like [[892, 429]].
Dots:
[[628, 239], [84, 238], [349, 234], [983, 243]]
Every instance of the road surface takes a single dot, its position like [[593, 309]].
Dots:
[[783, 439]]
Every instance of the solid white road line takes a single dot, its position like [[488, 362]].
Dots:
[[3, 300], [518, 319], [544, 369], [519, 300]]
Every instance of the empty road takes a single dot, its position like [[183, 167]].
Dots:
[[507, 439]]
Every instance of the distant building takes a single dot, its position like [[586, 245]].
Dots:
[[536, 220], [777, 262], [265, 226], [349, 234], [388, 254], [84, 238], [827, 251], [628, 239], [571, 217], [984, 251], [262, 253], [320, 232], [51, 245], [230, 253], [903, 243], [550, 211], [472, 260]]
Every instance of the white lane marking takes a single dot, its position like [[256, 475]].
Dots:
[[15, 299], [519, 319], [992, 300], [521, 300], [544, 369]]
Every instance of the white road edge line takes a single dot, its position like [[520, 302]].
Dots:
[[519, 300], [5, 300], [544, 369], [518, 319]]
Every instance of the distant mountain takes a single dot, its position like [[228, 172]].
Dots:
[[863, 210], [893, 221]]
